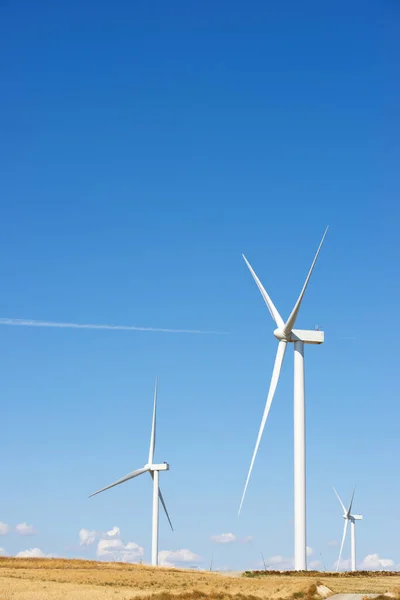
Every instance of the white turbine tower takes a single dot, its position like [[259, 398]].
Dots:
[[347, 516], [286, 334], [153, 469]]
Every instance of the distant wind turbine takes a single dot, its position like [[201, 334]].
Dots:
[[265, 566], [347, 516], [286, 334], [153, 469]]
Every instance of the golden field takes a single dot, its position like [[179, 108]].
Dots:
[[59, 579]]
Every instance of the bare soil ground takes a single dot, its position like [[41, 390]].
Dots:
[[58, 579]]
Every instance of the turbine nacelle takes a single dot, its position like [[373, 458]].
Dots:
[[154, 467], [307, 336]]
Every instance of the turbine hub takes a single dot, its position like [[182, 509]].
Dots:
[[280, 335]]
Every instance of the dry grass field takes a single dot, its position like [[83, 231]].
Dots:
[[58, 579]]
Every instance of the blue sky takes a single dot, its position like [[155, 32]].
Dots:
[[144, 147]]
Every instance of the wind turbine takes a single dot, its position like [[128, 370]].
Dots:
[[347, 516], [153, 469], [286, 334]]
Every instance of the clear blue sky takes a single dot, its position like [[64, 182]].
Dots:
[[144, 147]]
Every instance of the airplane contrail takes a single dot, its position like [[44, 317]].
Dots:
[[32, 323]]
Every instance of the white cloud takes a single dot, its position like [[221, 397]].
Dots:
[[247, 539], [4, 528], [274, 560], [2, 550], [279, 562], [171, 558], [333, 543], [344, 565], [224, 538], [87, 537], [110, 546], [116, 550], [309, 551], [314, 564], [373, 561], [32, 553], [25, 529]]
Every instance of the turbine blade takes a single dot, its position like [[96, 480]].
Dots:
[[163, 503], [293, 315], [153, 426], [165, 508], [274, 381], [271, 306], [122, 480], [342, 544], [338, 497], [351, 503]]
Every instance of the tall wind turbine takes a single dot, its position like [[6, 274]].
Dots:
[[347, 516], [286, 334], [153, 469]]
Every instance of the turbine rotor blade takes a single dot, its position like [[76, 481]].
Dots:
[[351, 503], [163, 503], [153, 426], [338, 497], [122, 480], [293, 315], [164, 507], [274, 381], [342, 544], [271, 306]]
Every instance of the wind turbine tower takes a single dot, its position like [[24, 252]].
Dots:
[[154, 470], [285, 334]]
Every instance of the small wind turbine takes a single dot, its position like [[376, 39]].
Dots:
[[212, 560], [285, 334], [347, 516], [265, 566], [154, 470]]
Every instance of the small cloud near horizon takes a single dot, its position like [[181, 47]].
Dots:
[[224, 538], [86, 537], [374, 562], [247, 539], [371, 562], [174, 558], [25, 529], [34, 553], [110, 546], [4, 528]]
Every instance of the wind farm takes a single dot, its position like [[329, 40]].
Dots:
[[198, 349], [285, 333]]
